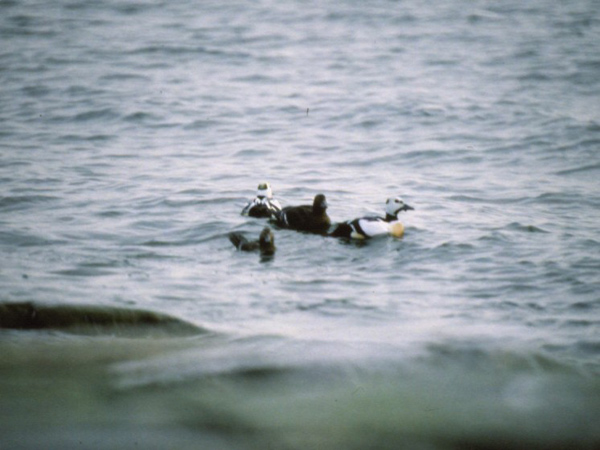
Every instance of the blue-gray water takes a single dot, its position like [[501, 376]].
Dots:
[[133, 133]]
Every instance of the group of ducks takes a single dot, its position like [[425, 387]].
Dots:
[[314, 219]]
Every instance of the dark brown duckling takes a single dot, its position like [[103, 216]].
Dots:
[[265, 243]]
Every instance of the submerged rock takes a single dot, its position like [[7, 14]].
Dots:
[[93, 320]]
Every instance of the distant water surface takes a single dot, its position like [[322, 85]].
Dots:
[[133, 133]]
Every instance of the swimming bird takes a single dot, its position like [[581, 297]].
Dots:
[[370, 226], [265, 243], [311, 218], [264, 205]]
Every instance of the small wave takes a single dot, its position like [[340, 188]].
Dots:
[[71, 138], [535, 76], [516, 226], [111, 213], [458, 246], [588, 262], [27, 25], [85, 116], [585, 306], [105, 113], [21, 201], [257, 78], [190, 237], [201, 124], [483, 16], [95, 320], [36, 91], [578, 170], [593, 126], [82, 272], [337, 307], [184, 50], [140, 117], [14, 163], [252, 153], [21, 239], [77, 90], [158, 243], [590, 347], [124, 77], [486, 200], [581, 323], [557, 198]]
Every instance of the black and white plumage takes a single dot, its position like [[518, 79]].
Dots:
[[264, 205], [312, 218], [370, 226], [265, 243]]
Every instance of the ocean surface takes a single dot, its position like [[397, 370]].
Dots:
[[132, 134]]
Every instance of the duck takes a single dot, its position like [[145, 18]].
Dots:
[[371, 226], [264, 205], [265, 243], [312, 218]]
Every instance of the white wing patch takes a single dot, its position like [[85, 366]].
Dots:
[[374, 227]]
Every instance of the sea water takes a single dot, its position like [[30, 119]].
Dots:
[[132, 134]]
